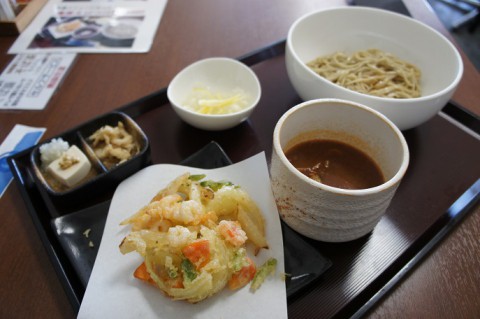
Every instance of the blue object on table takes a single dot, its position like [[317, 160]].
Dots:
[[27, 141]]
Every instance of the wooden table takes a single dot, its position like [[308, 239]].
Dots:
[[445, 285]]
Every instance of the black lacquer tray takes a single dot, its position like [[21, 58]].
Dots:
[[303, 263], [434, 196]]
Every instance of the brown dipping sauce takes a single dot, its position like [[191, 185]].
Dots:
[[335, 164]]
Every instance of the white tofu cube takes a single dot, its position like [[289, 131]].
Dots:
[[75, 173]]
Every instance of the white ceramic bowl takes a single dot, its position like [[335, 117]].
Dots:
[[351, 29], [220, 75], [320, 211]]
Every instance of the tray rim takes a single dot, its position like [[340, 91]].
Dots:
[[458, 210], [157, 99]]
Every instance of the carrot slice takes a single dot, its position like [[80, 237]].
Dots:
[[243, 276], [142, 273], [198, 253]]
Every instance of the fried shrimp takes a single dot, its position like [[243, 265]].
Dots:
[[169, 210], [232, 232]]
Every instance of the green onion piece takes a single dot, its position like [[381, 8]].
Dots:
[[172, 273], [215, 186], [266, 269], [197, 177], [188, 270]]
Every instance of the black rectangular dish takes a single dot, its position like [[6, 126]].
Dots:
[[362, 270], [80, 233], [101, 177]]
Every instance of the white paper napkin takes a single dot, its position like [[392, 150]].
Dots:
[[113, 292]]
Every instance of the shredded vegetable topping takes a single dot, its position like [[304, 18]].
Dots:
[[206, 101], [114, 145], [262, 273]]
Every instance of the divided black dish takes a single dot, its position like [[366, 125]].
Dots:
[[105, 179], [303, 263]]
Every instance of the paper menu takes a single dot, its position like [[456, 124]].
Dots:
[[112, 291], [29, 80], [92, 27]]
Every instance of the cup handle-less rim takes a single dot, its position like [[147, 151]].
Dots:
[[277, 148]]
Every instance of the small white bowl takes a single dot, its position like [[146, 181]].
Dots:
[[351, 29], [220, 75]]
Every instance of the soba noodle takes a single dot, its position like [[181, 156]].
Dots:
[[371, 72]]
